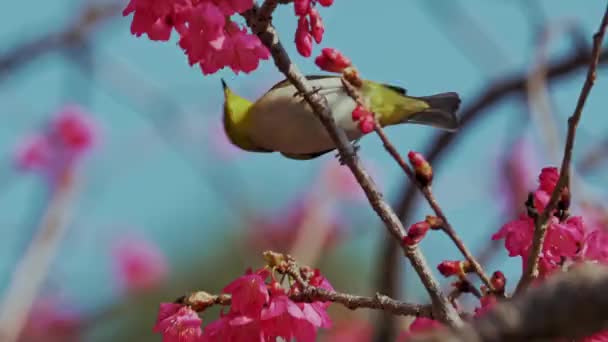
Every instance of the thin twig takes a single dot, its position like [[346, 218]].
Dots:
[[425, 189], [541, 223], [319, 105], [490, 95], [201, 300]]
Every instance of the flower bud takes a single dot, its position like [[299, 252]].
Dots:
[[332, 60], [416, 233], [450, 268], [301, 7], [316, 25], [359, 112], [325, 3], [303, 38], [367, 124], [422, 168], [499, 282]]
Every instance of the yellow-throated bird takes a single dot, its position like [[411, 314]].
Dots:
[[282, 121]]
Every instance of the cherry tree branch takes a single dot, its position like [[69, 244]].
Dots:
[[268, 36], [199, 301], [572, 306], [542, 221], [425, 189], [33, 267], [285, 264], [489, 96]]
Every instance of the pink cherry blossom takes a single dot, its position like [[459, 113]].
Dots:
[[230, 7], [420, 325], [73, 129], [595, 246], [249, 294], [599, 337], [547, 179], [34, 152], [54, 151], [53, 320], [487, 302], [563, 240], [264, 312], [178, 323], [139, 265], [208, 36]]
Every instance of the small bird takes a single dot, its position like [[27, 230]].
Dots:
[[282, 121]]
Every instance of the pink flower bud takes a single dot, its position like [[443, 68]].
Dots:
[[498, 281], [367, 124], [416, 233], [332, 60], [450, 268], [423, 170], [359, 112], [301, 7], [316, 25], [303, 38], [325, 3]]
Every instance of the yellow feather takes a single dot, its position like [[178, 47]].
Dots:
[[235, 120]]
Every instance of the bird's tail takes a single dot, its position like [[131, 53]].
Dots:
[[441, 114]]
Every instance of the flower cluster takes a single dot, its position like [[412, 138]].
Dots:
[[207, 35], [53, 151], [567, 237], [260, 310], [332, 60], [310, 24], [139, 264], [365, 118]]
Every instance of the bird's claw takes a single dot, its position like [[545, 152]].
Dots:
[[356, 149]]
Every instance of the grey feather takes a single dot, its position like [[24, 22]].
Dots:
[[441, 114]]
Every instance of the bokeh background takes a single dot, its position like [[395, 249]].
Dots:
[[162, 173]]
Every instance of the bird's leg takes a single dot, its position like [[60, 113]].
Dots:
[[315, 90], [356, 148]]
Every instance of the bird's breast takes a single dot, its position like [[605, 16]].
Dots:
[[283, 122]]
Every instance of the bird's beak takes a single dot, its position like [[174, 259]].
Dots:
[[224, 85]]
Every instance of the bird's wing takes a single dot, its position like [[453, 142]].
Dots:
[[286, 82], [306, 156], [400, 90]]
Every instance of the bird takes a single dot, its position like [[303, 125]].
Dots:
[[282, 121]]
